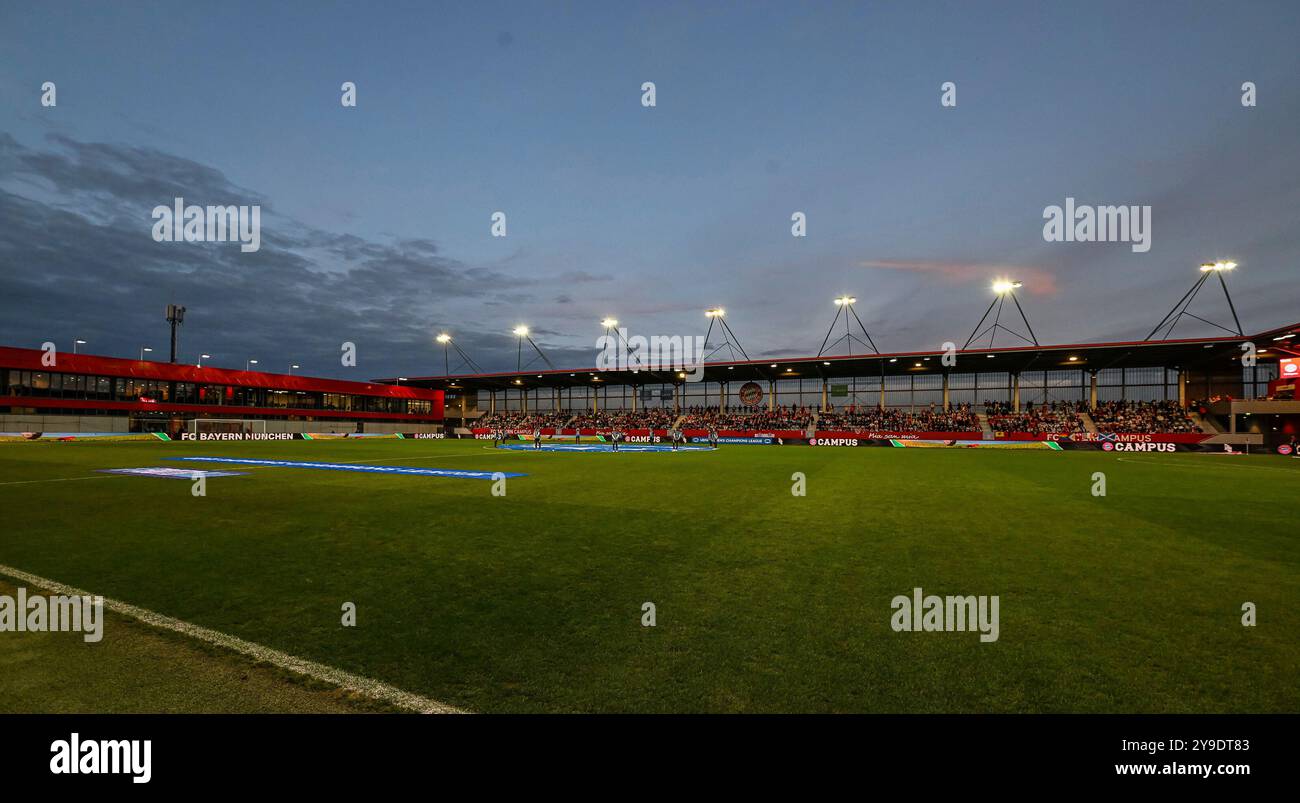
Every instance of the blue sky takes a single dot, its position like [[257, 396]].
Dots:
[[831, 109]]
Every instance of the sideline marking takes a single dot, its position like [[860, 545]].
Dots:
[[338, 677], [1183, 464], [61, 479]]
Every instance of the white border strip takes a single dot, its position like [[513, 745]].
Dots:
[[338, 677]]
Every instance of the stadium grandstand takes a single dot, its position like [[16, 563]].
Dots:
[[1192, 393]]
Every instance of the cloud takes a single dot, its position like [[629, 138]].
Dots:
[[78, 261]]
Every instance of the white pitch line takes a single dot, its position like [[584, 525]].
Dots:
[[1233, 466], [62, 479], [338, 677]]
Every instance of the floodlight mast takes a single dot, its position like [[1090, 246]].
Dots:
[[718, 315], [448, 343], [1001, 289], [1171, 319], [844, 306], [521, 332]]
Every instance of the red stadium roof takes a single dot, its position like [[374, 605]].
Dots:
[[31, 360]]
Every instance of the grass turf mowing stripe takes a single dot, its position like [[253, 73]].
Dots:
[[337, 677], [423, 472]]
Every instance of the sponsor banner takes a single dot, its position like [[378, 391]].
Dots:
[[241, 436], [426, 436], [1285, 449], [752, 441], [888, 435], [171, 473], [1108, 437], [838, 440], [968, 444], [80, 436], [1149, 447]]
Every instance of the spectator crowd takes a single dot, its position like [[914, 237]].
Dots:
[[1154, 416], [1053, 418], [873, 419]]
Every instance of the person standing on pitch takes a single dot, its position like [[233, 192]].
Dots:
[[614, 437], [537, 438], [713, 436]]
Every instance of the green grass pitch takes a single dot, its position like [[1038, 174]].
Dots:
[[765, 601]]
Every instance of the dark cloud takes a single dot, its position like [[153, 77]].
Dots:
[[77, 260]]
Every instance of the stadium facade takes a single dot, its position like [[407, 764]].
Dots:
[[47, 392], [1235, 398]]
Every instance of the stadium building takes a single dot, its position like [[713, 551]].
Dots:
[[83, 394], [1193, 393]]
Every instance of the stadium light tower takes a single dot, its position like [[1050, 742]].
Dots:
[[1002, 288], [448, 343], [610, 325], [844, 306], [718, 315], [521, 332], [76, 343], [1216, 268]]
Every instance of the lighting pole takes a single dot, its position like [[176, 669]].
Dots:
[[445, 340], [521, 332], [144, 350], [718, 315], [1217, 268], [203, 357], [610, 324], [844, 306], [1002, 288], [76, 343], [291, 367], [248, 364]]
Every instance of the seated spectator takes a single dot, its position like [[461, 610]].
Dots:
[[856, 418], [1142, 417]]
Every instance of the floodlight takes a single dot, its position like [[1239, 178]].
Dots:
[[715, 312], [444, 338], [521, 331], [842, 300], [609, 323], [1002, 286]]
